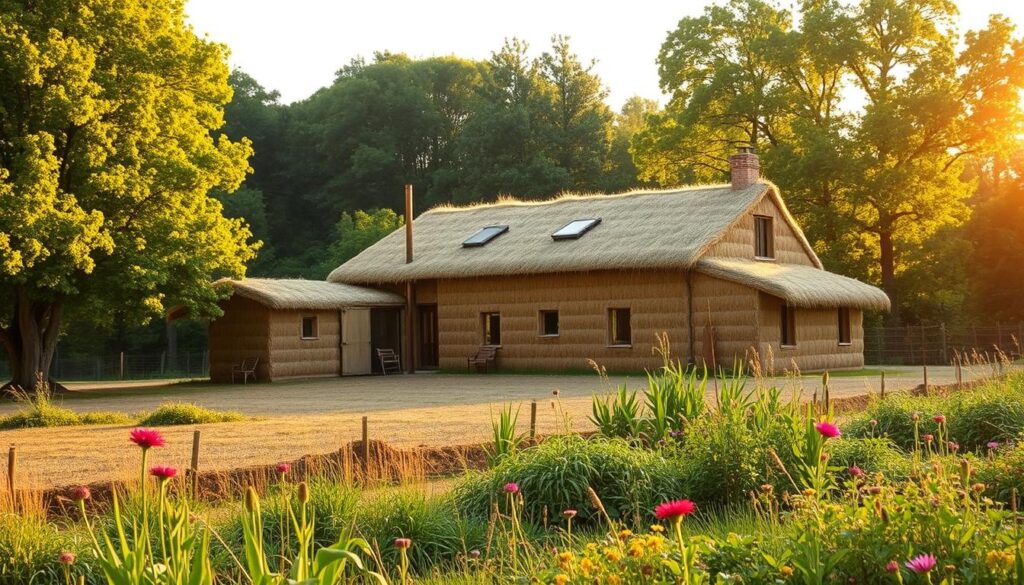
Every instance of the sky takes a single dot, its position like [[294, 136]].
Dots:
[[295, 46]]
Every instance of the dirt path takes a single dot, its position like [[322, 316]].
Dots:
[[318, 416]]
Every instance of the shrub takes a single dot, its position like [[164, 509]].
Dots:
[[556, 474], [38, 410], [871, 455], [1003, 472], [30, 547], [184, 413], [994, 415]]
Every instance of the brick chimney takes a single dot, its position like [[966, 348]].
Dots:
[[745, 168]]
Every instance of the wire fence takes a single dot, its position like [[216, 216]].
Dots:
[[940, 345], [124, 366]]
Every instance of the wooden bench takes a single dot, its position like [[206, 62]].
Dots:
[[245, 369], [486, 355], [389, 362]]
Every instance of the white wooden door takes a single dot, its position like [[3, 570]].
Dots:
[[355, 342]]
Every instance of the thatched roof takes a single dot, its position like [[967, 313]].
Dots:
[[295, 293], [639, 230], [800, 286]]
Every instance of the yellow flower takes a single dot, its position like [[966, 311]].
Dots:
[[636, 549], [561, 579], [655, 542], [564, 558], [614, 580], [809, 492], [587, 565], [625, 533], [657, 528], [998, 560], [786, 571], [612, 555]]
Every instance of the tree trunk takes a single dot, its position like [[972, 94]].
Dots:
[[887, 259], [31, 340]]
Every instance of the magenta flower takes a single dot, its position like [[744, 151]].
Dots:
[[66, 557], [855, 471], [163, 472], [283, 468], [921, 564], [81, 493], [675, 510], [827, 430], [992, 444], [403, 543], [939, 418], [953, 446], [928, 437], [511, 488], [892, 567], [147, 438]]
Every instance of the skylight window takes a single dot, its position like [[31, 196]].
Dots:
[[484, 236], [575, 228]]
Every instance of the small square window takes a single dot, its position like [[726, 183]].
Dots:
[[309, 328], [844, 326], [764, 237], [787, 316], [619, 329], [549, 323], [491, 328]]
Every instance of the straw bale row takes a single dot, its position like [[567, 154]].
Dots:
[[817, 338], [291, 356], [241, 333]]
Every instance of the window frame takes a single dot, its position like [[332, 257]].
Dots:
[[845, 334], [498, 231], [314, 319], [486, 334], [613, 315], [769, 242], [787, 327], [589, 224], [542, 330]]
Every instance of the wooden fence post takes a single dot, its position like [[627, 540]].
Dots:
[[195, 463], [366, 449], [883, 384], [12, 458], [945, 349], [122, 366], [533, 420], [925, 372], [959, 374]]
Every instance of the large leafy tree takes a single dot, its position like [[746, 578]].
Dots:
[[872, 182], [108, 113]]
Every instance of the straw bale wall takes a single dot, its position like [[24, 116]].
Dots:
[[656, 299], [293, 357], [817, 338], [738, 240], [426, 292], [241, 333], [731, 310]]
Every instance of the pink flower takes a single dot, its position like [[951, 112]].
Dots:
[[953, 446], [929, 437], [66, 557], [921, 564], [675, 510], [892, 567], [511, 488], [283, 468], [147, 438], [855, 471], [570, 513], [939, 418], [403, 543], [992, 444], [828, 430], [81, 493], [163, 472]]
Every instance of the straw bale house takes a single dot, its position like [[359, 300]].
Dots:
[[301, 328], [723, 270]]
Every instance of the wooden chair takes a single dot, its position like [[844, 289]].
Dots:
[[389, 362], [245, 369], [486, 355]]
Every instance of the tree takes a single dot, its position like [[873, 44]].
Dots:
[[107, 153], [872, 183], [620, 172], [356, 232]]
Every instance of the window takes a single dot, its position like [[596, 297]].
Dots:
[[549, 323], [492, 328], [619, 332], [484, 235], [844, 326], [309, 328], [788, 331], [575, 228], [764, 237]]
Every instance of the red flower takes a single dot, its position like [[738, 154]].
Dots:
[[403, 543], [81, 493], [147, 438], [892, 567], [66, 557], [855, 471], [939, 418], [827, 430], [928, 437], [163, 472], [511, 488], [676, 509], [283, 468]]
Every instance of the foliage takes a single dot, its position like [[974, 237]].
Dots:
[[357, 231], [505, 439], [38, 410], [871, 455], [555, 476], [30, 547], [107, 156], [185, 413]]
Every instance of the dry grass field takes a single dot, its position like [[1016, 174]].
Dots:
[[296, 418]]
